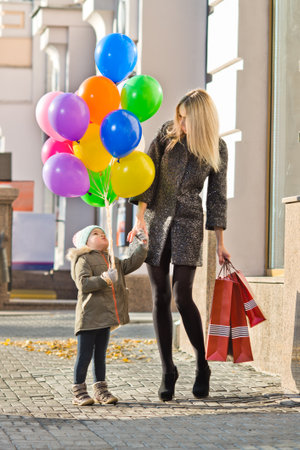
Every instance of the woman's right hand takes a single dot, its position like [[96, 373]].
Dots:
[[140, 224]]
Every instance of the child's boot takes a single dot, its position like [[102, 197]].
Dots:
[[102, 394], [81, 397]]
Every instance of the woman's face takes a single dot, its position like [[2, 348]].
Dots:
[[97, 240], [182, 118]]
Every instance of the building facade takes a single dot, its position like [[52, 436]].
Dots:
[[243, 52]]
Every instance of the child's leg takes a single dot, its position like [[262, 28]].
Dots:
[[85, 347], [99, 355], [101, 392]]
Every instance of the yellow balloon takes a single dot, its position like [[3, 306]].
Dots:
[[91, 151], [132, 174]]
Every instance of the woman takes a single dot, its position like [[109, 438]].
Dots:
[[185, 152]]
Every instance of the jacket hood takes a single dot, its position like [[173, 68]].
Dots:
[[74, 253]]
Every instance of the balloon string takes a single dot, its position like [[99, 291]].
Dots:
[[97, 187], [102, 182], [110, 164], [71, 148], [92, 176], [110, 238], [105, 180], [108, 217], [97, 195]]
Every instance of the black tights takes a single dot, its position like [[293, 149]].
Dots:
[[182, 285], [91, 344]]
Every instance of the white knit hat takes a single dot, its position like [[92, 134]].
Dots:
[[80, 238]]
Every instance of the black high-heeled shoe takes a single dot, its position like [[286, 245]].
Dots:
[[201, 384], [167, 387]]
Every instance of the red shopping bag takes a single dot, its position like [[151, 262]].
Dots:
[[219, 326], [253, 312], [228, 323], [241, 347]]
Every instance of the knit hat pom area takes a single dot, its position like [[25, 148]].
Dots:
[[80, 238]]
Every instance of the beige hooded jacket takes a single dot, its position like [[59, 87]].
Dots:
[[100, 305]]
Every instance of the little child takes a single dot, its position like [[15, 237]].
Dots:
[[102, 304]]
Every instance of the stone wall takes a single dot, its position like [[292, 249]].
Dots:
[[7, 196], [140, 299], [275, 342], [268, 338], [291, 296]]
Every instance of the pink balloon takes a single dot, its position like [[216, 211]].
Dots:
[[41, 114], [51, 147]]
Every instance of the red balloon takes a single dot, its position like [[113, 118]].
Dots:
[[51, 147]]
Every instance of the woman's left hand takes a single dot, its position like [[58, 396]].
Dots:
[[222, 254]]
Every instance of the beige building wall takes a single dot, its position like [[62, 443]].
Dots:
[[171, 39], [247, 211], [172, 46], [239, 87], [67, 43], [22, 71], [10, 47], [23, 74]]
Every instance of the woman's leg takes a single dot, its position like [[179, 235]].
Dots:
[[183, 278], [85, 347], [99, 356], [162, 317]]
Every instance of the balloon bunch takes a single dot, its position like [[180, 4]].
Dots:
[[95, 145]]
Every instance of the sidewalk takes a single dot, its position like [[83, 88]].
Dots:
[[246, 409]]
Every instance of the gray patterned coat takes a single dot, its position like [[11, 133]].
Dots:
[[174, 204]]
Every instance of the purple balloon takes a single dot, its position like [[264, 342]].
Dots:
[[69, 114], [66, 175]]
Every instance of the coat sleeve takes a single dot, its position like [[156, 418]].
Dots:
[[155, 152], [85, 280], [216, 202], [135, 261]]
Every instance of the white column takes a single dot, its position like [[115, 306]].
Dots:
[[54, 42], [100, 15]]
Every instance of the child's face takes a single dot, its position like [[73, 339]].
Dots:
[[97, 240]]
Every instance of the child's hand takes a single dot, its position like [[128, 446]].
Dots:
[[141, 235], [111, 276]]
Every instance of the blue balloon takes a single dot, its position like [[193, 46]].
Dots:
[[116, 56], [120, 132]]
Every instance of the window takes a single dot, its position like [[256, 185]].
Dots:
[[285, 125]]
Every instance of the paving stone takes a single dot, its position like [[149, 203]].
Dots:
[[246, 409]]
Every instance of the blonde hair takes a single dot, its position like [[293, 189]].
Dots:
[[202, 127]]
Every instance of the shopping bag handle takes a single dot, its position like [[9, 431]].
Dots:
[[229, 264], [225, 268]]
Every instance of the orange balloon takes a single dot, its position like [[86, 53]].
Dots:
[[101, 95]]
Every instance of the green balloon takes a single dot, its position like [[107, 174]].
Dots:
[[142, 95], [99, 185]]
